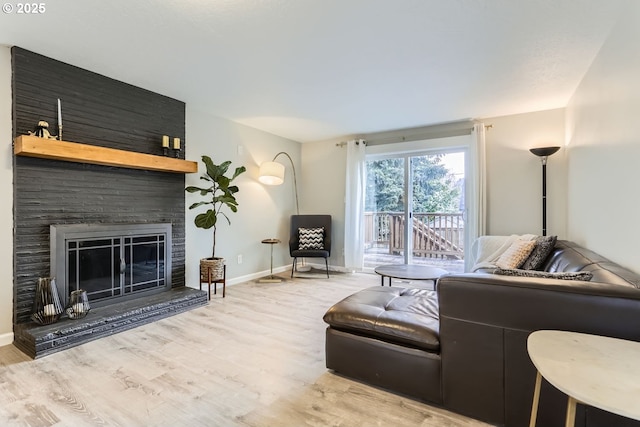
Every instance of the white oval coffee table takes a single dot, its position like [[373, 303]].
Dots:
[[598, 371]]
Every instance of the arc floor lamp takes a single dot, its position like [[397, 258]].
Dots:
[[272, 173], [544, 153]]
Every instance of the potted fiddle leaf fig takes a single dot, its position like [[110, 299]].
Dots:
[[218, 194]]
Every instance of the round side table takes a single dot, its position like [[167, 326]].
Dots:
[[271, 278]]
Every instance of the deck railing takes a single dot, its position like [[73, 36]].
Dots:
[[434, 234]]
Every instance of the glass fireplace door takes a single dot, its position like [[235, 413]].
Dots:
[[118, 266]]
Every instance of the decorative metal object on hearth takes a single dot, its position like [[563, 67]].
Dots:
[[47, 307], [78, 304]]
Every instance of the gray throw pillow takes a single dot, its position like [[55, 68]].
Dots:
[[568, 275], [544, 247]]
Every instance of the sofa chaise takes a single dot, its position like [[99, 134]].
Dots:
[[463, 346]]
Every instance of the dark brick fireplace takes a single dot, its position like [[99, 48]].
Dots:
[[98, 111]]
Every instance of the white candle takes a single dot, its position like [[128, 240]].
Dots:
[[78, 308], [59, 113], [49, 310], [176, 143], [165, 141]]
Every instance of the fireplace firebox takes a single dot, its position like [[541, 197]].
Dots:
[[111, 262]]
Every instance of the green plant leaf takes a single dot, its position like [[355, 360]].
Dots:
[[238, 171], [195, 205], [206, 220], [223, 182]]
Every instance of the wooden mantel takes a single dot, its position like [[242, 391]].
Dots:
[[33, 146]]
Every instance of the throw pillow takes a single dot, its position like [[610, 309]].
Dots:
[[544, 247], [565, 275], [310, 238], [516, 254]]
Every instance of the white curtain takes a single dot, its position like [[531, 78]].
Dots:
[[476, 211], [354, 206]]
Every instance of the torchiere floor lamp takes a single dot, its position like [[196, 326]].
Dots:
[[543, 153]]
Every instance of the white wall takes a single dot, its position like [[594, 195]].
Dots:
[[514, 175], [6, 208], [323, 189], [263, 211], [603, 139]]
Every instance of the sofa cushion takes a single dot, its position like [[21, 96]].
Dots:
[[612, 273], [400, 315], [516, 254], [570, 275], [568, 256], [544, 247]]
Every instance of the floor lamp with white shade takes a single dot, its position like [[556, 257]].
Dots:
[[272, 173]]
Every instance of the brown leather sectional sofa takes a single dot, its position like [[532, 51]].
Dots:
[[476, 361]]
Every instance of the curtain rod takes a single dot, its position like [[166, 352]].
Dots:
[[415, 134], [442, 130], [343, 143]]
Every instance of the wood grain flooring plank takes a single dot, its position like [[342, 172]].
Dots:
[[252, 359]]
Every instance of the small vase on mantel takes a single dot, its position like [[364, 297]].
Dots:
[[47, 307]]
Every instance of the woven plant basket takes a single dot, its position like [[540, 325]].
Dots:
[[214, 266]]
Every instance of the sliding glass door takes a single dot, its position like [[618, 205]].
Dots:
[[384, 211], [414, 206]]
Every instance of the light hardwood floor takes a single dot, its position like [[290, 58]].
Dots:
[[254, 358]]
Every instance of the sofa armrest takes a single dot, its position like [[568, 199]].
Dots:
[[484, 323]]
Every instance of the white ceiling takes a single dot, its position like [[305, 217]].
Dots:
[[312, 70]]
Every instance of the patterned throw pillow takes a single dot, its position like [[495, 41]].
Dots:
[[516, 254], [544, 246], [310, 238], [568, 275]]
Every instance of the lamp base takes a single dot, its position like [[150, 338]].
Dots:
[[270, 279]]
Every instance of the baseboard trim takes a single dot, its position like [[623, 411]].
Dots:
[[261, 274], [6, 339]]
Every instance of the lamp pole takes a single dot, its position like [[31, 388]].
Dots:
[[295, 183], [544, 153]]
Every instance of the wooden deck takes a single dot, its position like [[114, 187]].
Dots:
[[374, 257], [438, 239]]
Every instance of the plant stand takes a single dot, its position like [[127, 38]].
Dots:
[[208, 276]]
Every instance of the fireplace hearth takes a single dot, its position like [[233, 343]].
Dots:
[[125, 270], [37, 341]]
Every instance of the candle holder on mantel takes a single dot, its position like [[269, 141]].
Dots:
[[176, 147], [47, 307], [165, 145], [78, 304]]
